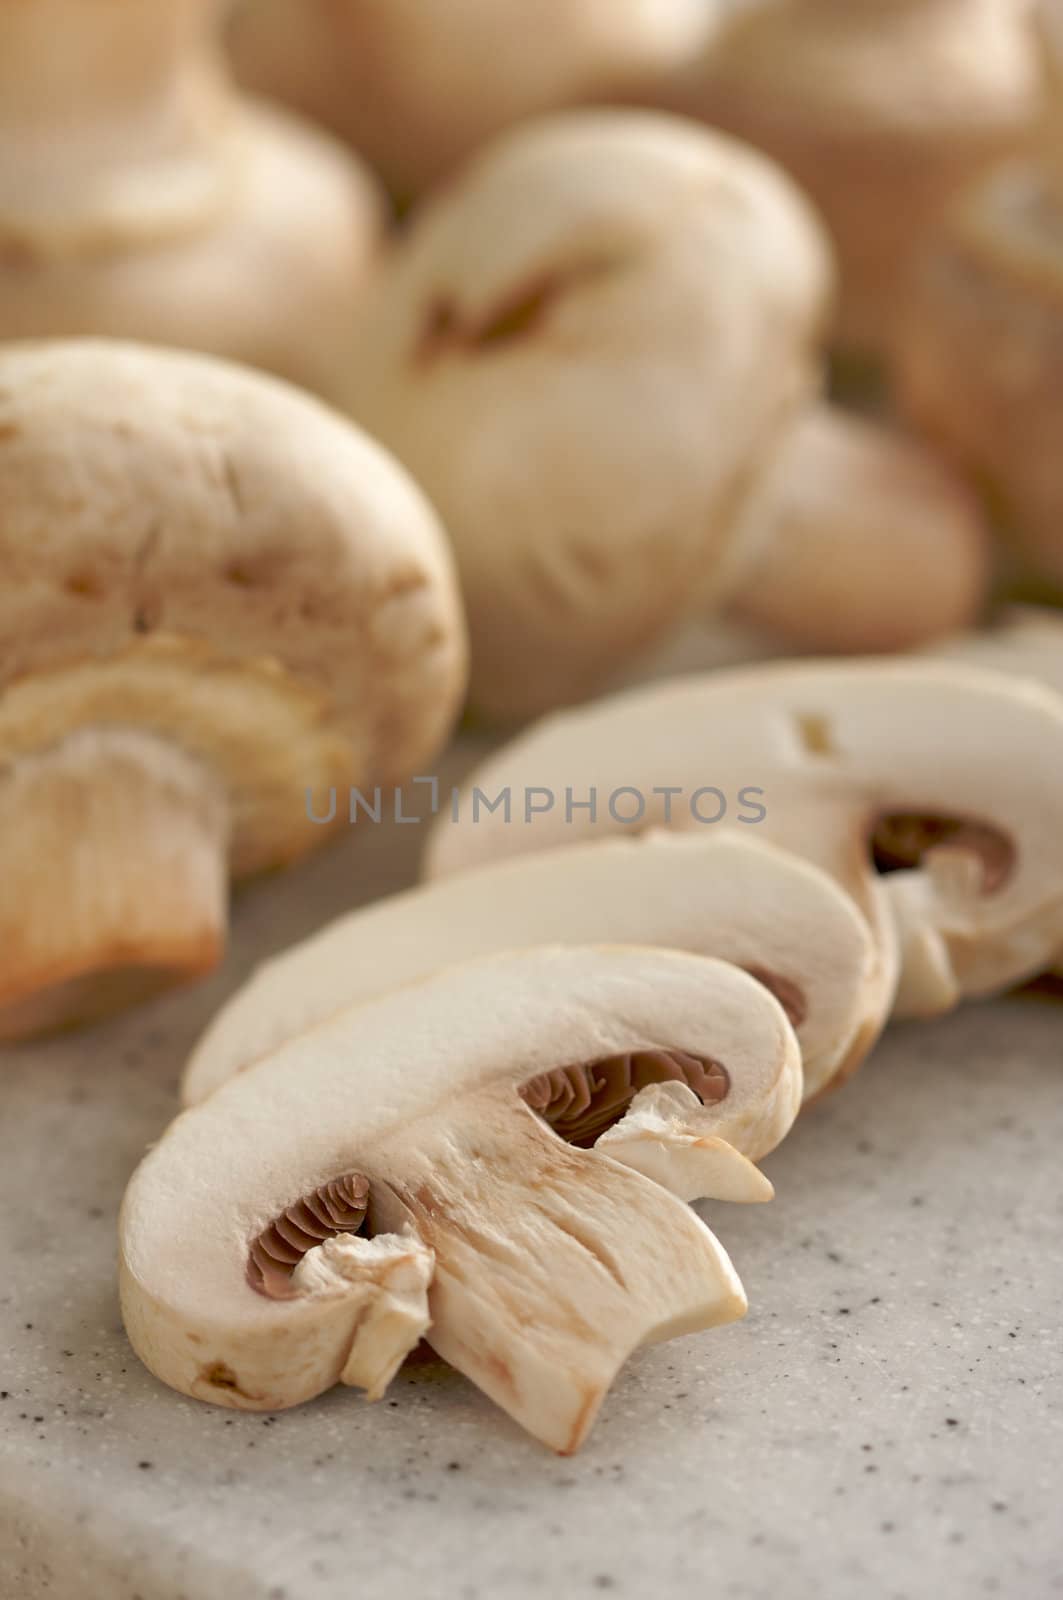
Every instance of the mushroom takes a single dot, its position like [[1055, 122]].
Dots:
[[459, 1118], [141, 199], [980, 365], [733, 898], [417, 85], [670, 286], [860, 539], [1026, 642], [216, 594], [881, 109], [945, 777]]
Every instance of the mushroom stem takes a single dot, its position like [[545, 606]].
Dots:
[[141, 88], [113, 858], [552, 1264], [861, 540]]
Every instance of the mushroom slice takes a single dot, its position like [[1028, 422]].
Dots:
[[440, 1108], [217, 595], [946, 776], [732, 897]]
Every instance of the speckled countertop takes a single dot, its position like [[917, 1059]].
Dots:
[[888, 1421]]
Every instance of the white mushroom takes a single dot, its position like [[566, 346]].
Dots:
[[139, 198], [590, 350], [216, 594], [859, 538], [417, 85], [731, 897], [946, 776], [881, 109], [535, 1265], [980, 368]]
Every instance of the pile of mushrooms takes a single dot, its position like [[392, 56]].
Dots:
[[141, 198], [598, 351], [590, 373], [882, 110], [981, 362], [216, 592]]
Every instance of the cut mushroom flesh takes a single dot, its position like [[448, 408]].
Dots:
[[532, 1265], [782, 920], [956, 770]]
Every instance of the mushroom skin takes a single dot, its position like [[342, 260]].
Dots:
[[541, 1265], [217, 595], [960, 767], [140, 198], [882, 110], [417, 85], [619, 266], [980, 365], [730, 897], [860, 539]]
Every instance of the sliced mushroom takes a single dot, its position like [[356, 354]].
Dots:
[[744, 902], [141, 199], [1026, 642], [417, 85], [981, 360], [534, 1266], [585, 349], [882, 110], [946, 772], [217, 595]]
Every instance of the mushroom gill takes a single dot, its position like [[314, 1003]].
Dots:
[[901, 840], [336, 1207], [580, 1102]]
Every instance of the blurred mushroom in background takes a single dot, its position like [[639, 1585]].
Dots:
[[981, 361], [598, 350], [417, 85], [881, 109], [141, 199]]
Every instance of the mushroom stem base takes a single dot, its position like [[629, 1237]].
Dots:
[[113, 862]]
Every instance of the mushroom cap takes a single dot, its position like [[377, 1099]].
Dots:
[[140, 198], [551, 1262], [915, 67], [271, 277], [881, 109], [870, 542], [206, 554], [963, 765], [584, 349], [733, 898], [417, 85]]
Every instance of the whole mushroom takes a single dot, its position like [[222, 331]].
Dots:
[[786, 923], [589, 350], [881, 109], [494, 1127], [928, 790], [140, 198], [216, 594], [417, 85], [981, 361]]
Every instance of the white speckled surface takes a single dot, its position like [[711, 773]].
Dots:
[[887, 1422]]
